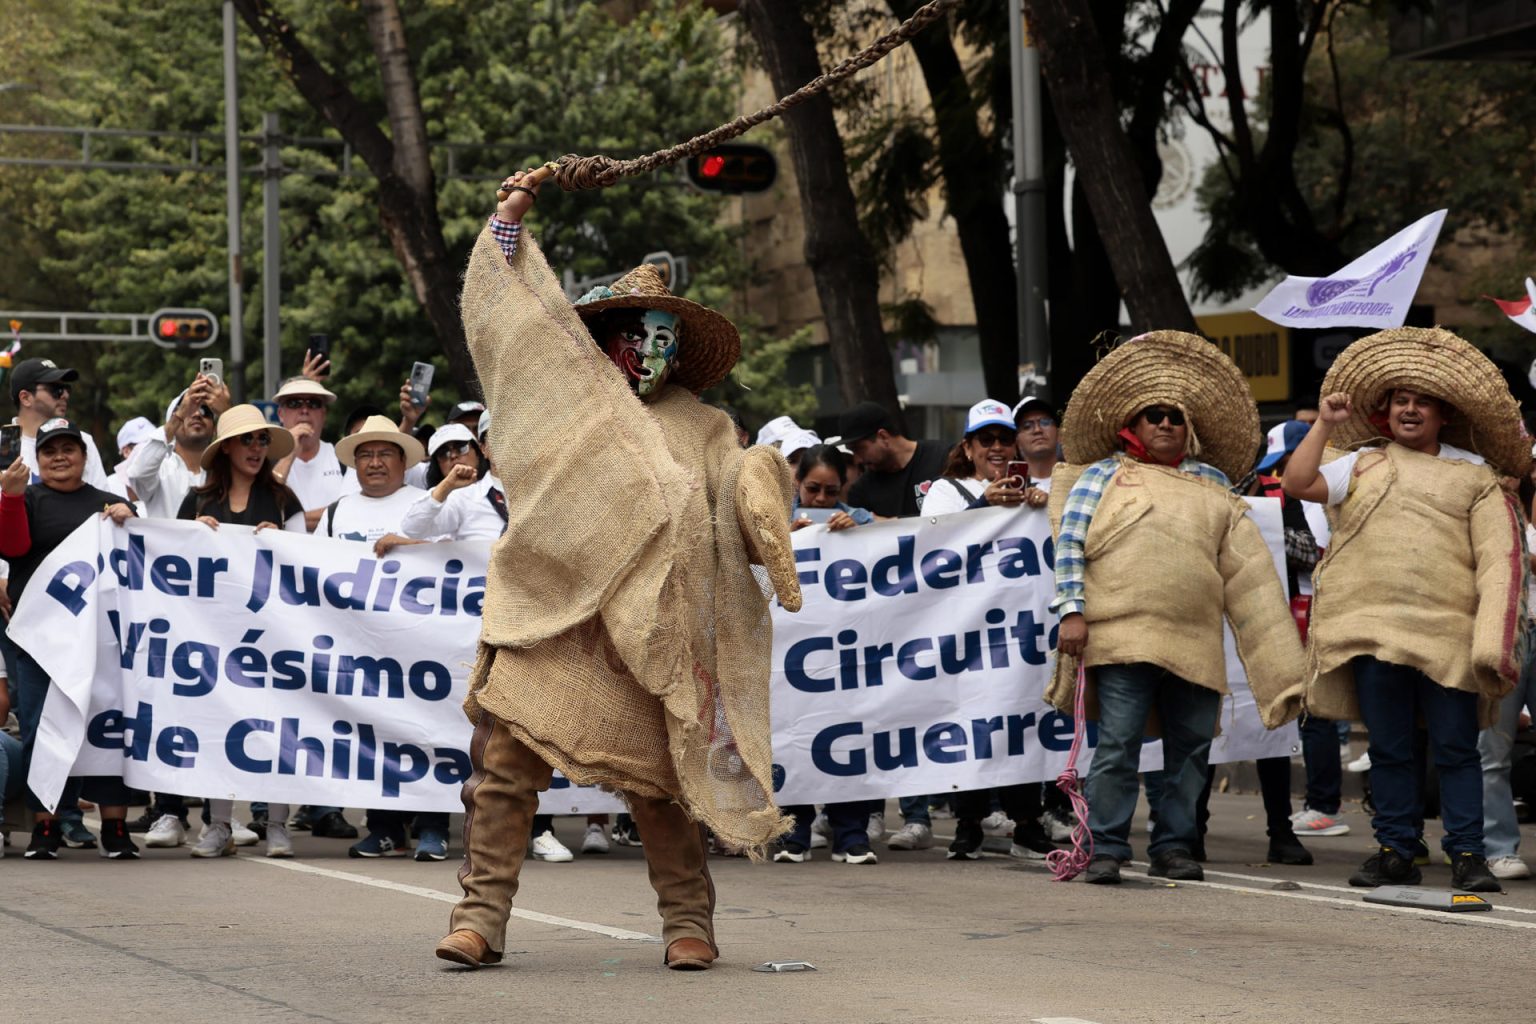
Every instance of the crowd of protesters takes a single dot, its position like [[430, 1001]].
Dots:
[[387, 482]]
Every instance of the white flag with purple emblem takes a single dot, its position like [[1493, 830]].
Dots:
[[1373, 291]]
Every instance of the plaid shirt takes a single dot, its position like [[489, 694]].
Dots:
[[1082, 502], [506, 235]]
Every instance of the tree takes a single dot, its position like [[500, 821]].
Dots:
[[840, 257]]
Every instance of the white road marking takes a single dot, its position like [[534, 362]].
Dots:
[[1060, 1020], [1349, 889], [443, 897]]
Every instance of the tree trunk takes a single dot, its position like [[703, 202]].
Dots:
[[840, 257], [1073, 62], [407, 189], [973, 189]]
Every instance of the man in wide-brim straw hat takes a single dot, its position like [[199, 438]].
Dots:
[[1417, 612], [626, 639], [1152, 553]]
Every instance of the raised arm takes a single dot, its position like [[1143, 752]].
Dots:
[[1302, 479]]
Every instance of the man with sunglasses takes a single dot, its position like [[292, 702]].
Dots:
[[41, 393], [168, 465], [312, 471]]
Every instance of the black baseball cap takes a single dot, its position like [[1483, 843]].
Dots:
[[58, 427], [29, 373], [1035, 402], [864, 420]]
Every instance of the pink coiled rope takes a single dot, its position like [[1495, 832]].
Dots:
[[1066, 865]]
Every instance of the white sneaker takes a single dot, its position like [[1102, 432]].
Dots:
[[1316, 823], [914, 835], [876, 827], [1509, 867], [279, 841], [166, 832], [857, 855], [595, 841], [997, 824], [819, 841], [242, 835], [1360, 764], [216, 841], [1058, 825], [547, 847], [786, 855]]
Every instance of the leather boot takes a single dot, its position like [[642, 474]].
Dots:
[[500, 799], [676, 858]]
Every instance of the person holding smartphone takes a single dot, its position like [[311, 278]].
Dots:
[[981, 468], [821, 479]]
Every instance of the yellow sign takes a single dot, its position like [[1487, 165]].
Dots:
[[1459, 898], [1260, 349]]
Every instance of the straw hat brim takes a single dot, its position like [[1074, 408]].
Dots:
[[1485, 417], [710, 344], [414, 450], [1169, 368], [282, 440]]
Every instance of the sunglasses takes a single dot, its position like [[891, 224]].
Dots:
[[1156, 416], [991, 438], [261, 440], [453, 449], [303, 403], [1039, 422], [56, 390]]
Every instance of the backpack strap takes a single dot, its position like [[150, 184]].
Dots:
[[330, 517]]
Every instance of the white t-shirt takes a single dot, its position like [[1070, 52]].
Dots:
[[416, 476], [467, 514], [944, 495], [95, 472], [359, 517], [321, 480], [1340, 471], [160, 478]]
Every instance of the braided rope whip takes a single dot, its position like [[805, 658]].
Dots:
[[572, 172], [1066, 865]]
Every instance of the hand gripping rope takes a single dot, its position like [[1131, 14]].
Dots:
[[1066, 865], [572, 172]]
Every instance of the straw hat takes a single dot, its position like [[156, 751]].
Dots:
[[710, 344], [379, 428], [247, 419], [303, 386], [1165, 368], [1485, 417]]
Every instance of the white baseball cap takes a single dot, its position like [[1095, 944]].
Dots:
[[776, 430], [988, 413], [135, 431], [799, 441]]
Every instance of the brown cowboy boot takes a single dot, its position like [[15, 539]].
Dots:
[[500, 799], [675, 856]]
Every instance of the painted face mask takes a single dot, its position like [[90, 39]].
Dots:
[[645, 347]]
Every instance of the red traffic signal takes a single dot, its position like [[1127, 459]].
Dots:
[[734, 167], [183, 328]]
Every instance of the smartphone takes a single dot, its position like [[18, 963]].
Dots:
[[421, 383], [10, 443], [320, 345], [817, 515], [213, 369], [1020, 470]]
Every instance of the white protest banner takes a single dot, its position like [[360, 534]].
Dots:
[[1373, 291], [268, 666]]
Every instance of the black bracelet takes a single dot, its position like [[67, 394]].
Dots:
[[523, 188]]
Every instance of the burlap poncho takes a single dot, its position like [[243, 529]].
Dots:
[[1425, 569], [625, 637], [1167, 556]]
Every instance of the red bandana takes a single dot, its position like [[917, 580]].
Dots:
[[1136, 450]]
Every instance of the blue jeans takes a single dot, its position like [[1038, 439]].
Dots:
[[1127, 694], [849, 821], [1320, 754], [1501, 830], [914, 810], [11, 775], [1392, 699]]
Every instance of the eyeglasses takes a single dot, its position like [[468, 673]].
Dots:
[[303, 403], [1174, 417], [261, 440], [1038, 423], [452, 449], [992, 438], [376, 454]]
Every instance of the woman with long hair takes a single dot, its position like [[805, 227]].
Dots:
[[977, 473]]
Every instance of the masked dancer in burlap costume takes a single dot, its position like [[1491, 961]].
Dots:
[[1418, 608], [1152, 554], [626, 635]]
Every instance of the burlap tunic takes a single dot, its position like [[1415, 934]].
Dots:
[[1425, 569], [626, 638], [1167, 557]]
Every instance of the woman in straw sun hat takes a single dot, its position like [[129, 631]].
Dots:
[[625, 637], [1418, 600], [1152, 554]]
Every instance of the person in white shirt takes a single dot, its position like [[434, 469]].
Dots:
[[166, 466], [129, 436], [1039, 439], [40, 390], [312, 470], [464, 504], [977, 472]]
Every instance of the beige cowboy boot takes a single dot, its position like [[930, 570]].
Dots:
[[676, 858]]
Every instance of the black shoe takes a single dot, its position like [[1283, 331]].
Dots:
[[1030, 841], [302, 820], [116, 843], [45, 841], [1177, 865], [1103, 869], [1197, 850], [258, 824], [968, 840], [1288, 850], [1386, 867], [144, 822], [1469, 872], [332, 825]]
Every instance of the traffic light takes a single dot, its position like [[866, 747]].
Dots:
[[183, 328], [734, 167]]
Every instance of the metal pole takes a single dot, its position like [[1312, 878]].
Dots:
[[271, 256], [1028, 194], [236, 372]]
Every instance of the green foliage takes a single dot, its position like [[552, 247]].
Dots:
[[758, 388], [527, 80]]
